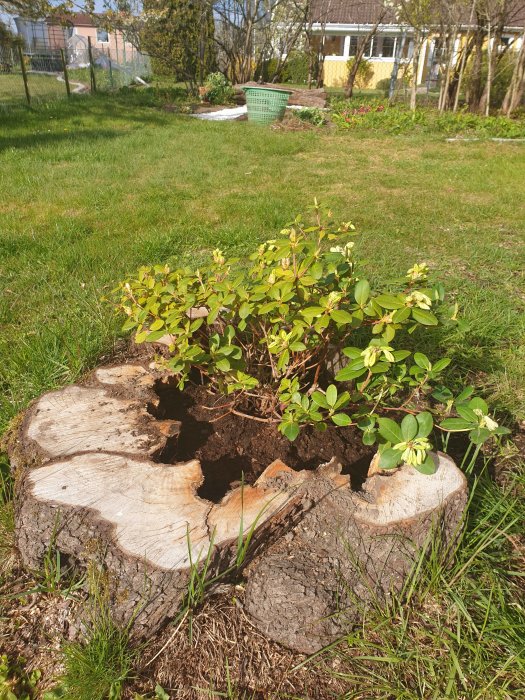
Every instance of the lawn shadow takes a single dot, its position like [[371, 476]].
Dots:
[[97, 117]]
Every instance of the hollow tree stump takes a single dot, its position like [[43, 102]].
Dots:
[[90, 481]]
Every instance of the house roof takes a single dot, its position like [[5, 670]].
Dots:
[[350, 12], [75, 19], [368, 12]]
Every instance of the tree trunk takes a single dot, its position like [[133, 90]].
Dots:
[[360, 52], [395, 68], [415, 71], [93, 481], [467, 49], [475, 89], [516, 89]]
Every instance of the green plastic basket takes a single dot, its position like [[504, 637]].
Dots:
[[266, 105]]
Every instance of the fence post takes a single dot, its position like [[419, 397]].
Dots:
[[91, 67], [24, 74], [66, 76], [110, 70]]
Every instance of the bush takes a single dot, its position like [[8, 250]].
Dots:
[[365, 73], [377, 115], [294, 71], [312, 115], [296, 68], [217, 89], [402, 83], [501, 78], [297, 337]]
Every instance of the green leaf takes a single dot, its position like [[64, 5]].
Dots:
[[479, 435], [342, 399], [311, 312], [141, 337], [401, 315], [297, 347], [465, 394], [400, 355], [422, 360], [440, 365], [290, 430], [478, 403], [223, 364], [390, 430], [331, 395], [245, 309], [425, 317], [160, 693], [269, 306], [456, 424], [369, 437], [442, 394], [319, 399], [425, 424], [388, 301], [341, 419], [467, 413], [362, 292], [341, 316], [429, 466], [347, 374], [157, 324], [389, 458], [352, 353], [409, 427]]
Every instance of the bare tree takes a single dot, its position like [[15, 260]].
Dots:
[[362, 44], [496, 12], [516, 89], [420, 15]]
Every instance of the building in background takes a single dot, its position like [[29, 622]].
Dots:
[[339, 24], [71, 33]]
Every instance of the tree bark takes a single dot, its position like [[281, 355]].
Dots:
[[516, 89], [415, 69], [92, 481]]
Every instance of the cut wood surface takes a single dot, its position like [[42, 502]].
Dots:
[[91, 481]]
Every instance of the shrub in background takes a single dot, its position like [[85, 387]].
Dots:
[[217, 89], [312, 115], [364, 75]]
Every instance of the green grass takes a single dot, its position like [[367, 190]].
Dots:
[[97, 186], [94, 188], [41, 88], [96, 669]]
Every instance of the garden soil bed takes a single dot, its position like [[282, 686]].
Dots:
[[232, 448]]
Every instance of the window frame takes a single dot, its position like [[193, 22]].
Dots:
[[102, 41]]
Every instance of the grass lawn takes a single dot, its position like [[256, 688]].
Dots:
[[94, 188], [41, 88]]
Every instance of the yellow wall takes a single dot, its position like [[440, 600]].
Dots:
[[336, 72]]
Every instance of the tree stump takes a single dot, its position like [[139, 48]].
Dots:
[[91, 481]]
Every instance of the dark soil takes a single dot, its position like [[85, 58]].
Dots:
[[232, 448]]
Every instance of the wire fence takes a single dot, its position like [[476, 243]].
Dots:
[[32, 77]]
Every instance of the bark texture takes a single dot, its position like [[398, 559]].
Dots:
[[91, 482]]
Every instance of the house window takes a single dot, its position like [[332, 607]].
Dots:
[[389, 47], [334, 46], [377, 47], [354, 43], [102, 36]]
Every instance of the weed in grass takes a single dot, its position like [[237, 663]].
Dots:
[[97, 667]]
